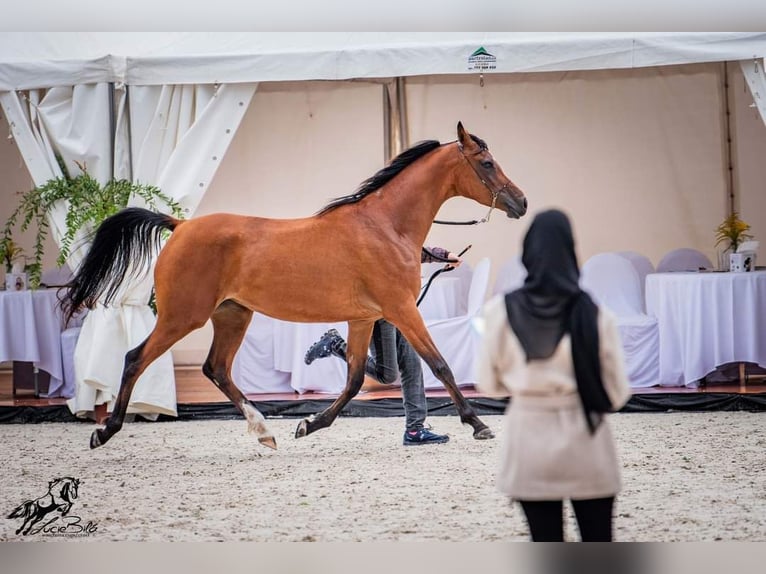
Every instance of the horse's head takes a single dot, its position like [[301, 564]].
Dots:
[[67, 487], [483, 179]]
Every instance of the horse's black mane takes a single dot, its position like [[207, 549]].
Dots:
[[390, 172], [384, 175]]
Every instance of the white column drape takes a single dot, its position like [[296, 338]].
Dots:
[[755, 76], [72, 122], [178, 135]]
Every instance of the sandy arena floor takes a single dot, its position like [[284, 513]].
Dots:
[[687, 477]]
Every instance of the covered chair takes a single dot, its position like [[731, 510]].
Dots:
[[613, 282], [510, 276], [253, 370], [460, 276], [683, 259], [456, 338], [56, 277], [643, 266]]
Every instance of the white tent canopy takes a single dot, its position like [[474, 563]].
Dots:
[[47, 59]]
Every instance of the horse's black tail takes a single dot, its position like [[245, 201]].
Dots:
[[126, 240]]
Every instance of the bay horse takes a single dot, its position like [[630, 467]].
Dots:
[[356, 260]]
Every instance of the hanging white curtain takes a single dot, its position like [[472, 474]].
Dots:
[[72, 122], [756, 80], [179, 135]]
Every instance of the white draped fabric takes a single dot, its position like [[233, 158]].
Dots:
[[456, 338], [683, 259], [32, 323], [510, 276], [755, 76], [72, 122], [613, 282], [643, 266], [707, 320]]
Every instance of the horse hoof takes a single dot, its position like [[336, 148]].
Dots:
[[302, 430], [268, 441], [484, 434], [95, 439]]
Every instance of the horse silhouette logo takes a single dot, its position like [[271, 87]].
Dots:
[[59, 499]]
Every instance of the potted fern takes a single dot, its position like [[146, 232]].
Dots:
[[89, 203]]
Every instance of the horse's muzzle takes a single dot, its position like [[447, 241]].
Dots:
[[515, 208]]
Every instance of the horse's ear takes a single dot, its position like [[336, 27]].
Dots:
[[463, 136]]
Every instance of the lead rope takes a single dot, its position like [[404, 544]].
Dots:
[[473, 221], [438, 272]]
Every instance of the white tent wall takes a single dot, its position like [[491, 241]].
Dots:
[[635, 156]]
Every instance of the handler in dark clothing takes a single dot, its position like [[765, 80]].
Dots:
[[391, 355]]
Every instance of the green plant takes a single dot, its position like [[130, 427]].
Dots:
[[88, 204], [732, 230], [11, 253]]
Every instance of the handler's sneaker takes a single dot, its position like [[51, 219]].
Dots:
[[423, 436], [323, 347]]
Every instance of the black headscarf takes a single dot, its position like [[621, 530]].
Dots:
[[551, 303]]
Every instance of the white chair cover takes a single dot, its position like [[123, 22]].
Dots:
[[683, 259], [643, 266], [68, 344], [613, 282], [56, 276], [456, 338], [510, 276], [253, 370], [463, 273]]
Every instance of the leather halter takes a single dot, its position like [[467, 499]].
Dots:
[[493, 193]]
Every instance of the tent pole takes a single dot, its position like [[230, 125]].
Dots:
[[130, 132], [112, 129], [727, 129], [386, 125], [401, 102]]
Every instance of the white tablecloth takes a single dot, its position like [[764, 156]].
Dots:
[[30, 331], [270, 359], [706, 320]]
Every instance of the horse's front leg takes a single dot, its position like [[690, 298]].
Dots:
[[410, 323], [359, 333]]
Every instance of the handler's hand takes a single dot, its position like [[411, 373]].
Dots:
[[455, 260]]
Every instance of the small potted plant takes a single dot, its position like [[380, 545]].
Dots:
[[14, 259], [731, 233]]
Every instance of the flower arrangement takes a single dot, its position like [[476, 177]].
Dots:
[[12, 253], [732, 230]]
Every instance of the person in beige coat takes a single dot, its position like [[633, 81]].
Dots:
[[559, 356]]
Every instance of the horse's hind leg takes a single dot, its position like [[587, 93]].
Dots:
[[410, 323], [359, 333], [230, 322], [164, 335]]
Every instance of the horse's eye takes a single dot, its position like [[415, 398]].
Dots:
[[488, 164]]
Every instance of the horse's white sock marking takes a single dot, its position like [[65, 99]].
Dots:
[[256, 423]]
